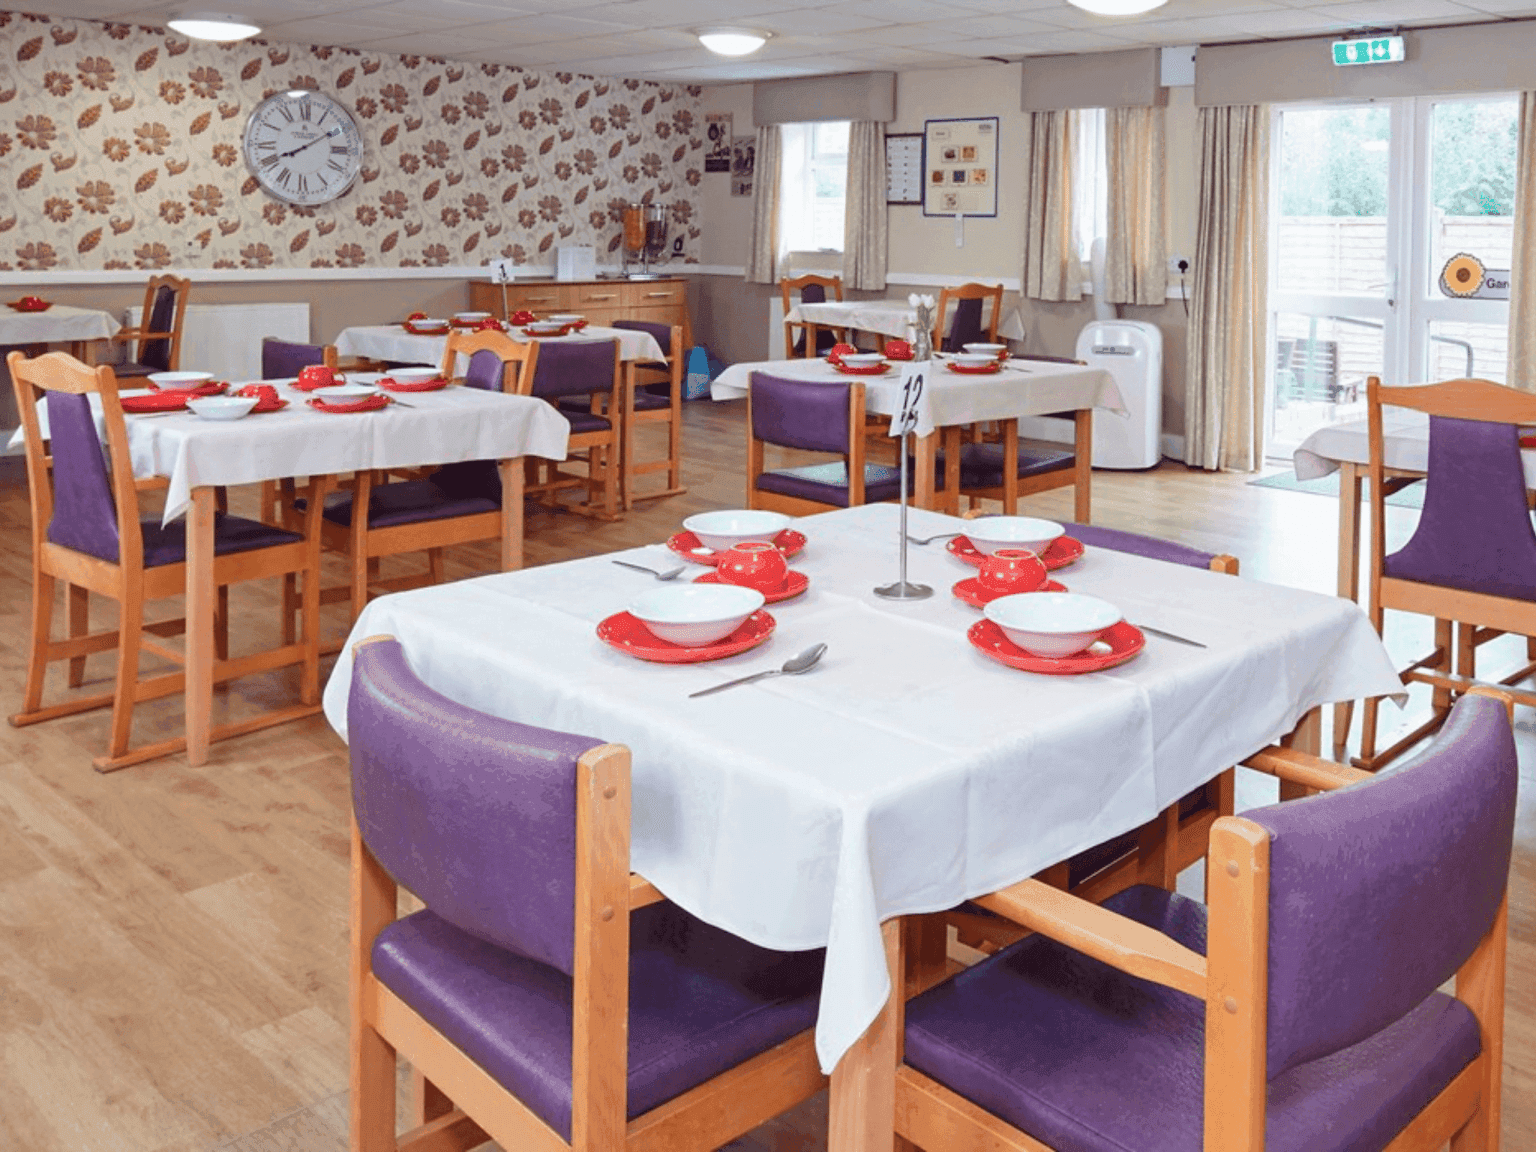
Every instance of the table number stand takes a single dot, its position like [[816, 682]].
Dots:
[[913, 379]]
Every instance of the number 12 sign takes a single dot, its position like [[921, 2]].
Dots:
[[914, 379]]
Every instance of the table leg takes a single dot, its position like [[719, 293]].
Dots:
[[1348, 580], [1082, 469], [925, 450], [627, 440], [862, 1106], [1307, 736], [201, 598], [511, 471]]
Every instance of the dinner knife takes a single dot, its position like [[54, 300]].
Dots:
[[1169, 635]]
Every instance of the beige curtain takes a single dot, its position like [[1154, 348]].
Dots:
[[1136, 248], [1224, 370], [864, 234], [1052, 270], [1522, 272], [763, 256]]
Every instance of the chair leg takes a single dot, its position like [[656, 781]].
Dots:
[[129, 629], [221, 623], [428, 1101], [79, 600], [360, 570], [42, 633], [1343, 717], [290, 605], [435, 565]]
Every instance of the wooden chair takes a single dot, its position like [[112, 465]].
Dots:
[[812, 417], [519, 358], [655, 399], [547, 997], [588, 368], [814, 339], [158, 332], [87, 533], [1297, 1012], [967, 327], [1472, 559], [284, 360]]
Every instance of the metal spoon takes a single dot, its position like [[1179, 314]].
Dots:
[[669, 574], [795, 665], [931, 539]]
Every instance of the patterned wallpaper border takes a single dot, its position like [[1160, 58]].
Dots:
[[119, 151]]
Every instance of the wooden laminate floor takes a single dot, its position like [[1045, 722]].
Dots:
[[172, 939]]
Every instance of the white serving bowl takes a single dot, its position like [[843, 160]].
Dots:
[[471, 317], [566, 318], [974, 359], [344, 392], [863, 359], [412, 375], [984, 349], [179, 381], [696, 614], [989, 533], [222, 407], [1053, 624], [724, 529], [545, 327]]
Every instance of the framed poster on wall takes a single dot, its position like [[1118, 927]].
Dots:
[[904, 168], [960, 167]]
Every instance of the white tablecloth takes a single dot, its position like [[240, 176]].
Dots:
[[907, 772], [1024, 388], [441, 427], [887, 317], [1404, 445], [392, 342], [60, 324]]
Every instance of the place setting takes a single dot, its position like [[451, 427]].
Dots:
[[705, 536]]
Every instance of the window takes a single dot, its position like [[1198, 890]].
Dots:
[[1090, 184], [814, 185]]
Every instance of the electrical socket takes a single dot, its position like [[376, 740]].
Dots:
[[1178, 265]]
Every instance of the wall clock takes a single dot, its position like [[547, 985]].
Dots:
[[303, 147]]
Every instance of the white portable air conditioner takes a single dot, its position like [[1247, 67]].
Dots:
[[1132, 352]]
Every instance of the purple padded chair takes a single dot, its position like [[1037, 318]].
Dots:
[[282, 360], [656, 395], [1376, 895], [159, 331], [825, 337], [658, 402], [813, 417], [587, 368], [480, 818], [470, 479], [966, 326]]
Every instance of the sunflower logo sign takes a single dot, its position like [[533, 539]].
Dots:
[[1465, 277]]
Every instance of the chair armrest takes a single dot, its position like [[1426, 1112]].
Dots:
[[1106, 936], [1303, 768], [642, 892], [140, 334]]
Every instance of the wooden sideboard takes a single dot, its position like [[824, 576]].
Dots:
[[600, 301]]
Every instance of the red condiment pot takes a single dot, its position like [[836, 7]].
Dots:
[[839, 351], [316, 376], [898, 350], [521, 316], [1009, 571], [755, 565]]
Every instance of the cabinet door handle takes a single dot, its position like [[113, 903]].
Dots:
[[609, 296], [536, 299]]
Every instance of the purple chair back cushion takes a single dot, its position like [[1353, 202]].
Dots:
[[800, 413], [661, 333], [1399, 876], [574, 369], [966, 327], [474, 814], [486, 371], [1138, 545], [84, 512], [281, 360], [156, 354], [1475, 532], [813, 294]]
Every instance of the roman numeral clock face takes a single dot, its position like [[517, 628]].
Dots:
[[303, 147]]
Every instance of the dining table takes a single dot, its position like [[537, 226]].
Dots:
[[197, 456], [896, 318], [392, 342], [58, 324], [905, 773], [951, 401]]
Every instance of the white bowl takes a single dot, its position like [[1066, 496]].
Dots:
[[696, 614], [566, 318], [432, 323], [344, 391], [989, 533], [471, 317], [544, 327], [974, 359], [863, 359], [991, 350], [180, 381], [412, 375], [718, 530], [222, 407], [1052, 624]]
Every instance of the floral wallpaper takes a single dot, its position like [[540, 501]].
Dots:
[[120, 149]]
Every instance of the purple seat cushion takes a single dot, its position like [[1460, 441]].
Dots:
[[828, 483], [1088, 1059], [981, 465], [408, 502], [700, 1001], [581, 419], [167, 544]]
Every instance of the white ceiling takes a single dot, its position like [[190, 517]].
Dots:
[[650, 38]]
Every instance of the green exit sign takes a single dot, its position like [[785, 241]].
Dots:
[[1371, 50]]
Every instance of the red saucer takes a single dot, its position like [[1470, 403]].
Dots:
[[980, 370], [788, 542], [794, 584], [855, 370], [971, 591], [629, 635], [154, 401], [1063, 551], [391, 385], [366, 404], [564, 330], [29, 305], [1119, 643]]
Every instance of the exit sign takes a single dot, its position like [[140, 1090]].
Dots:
[[1372, 50]]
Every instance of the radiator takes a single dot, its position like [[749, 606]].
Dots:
[[225, 339]]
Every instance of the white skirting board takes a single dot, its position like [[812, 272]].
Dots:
[[225, 339]]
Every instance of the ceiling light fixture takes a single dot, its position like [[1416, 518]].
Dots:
[[732, 41], [1117, 7], [217, 26]]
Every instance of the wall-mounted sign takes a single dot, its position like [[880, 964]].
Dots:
[[1465, 278], [1369, 50], [717, 151], [960, 167], [904, 168]]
